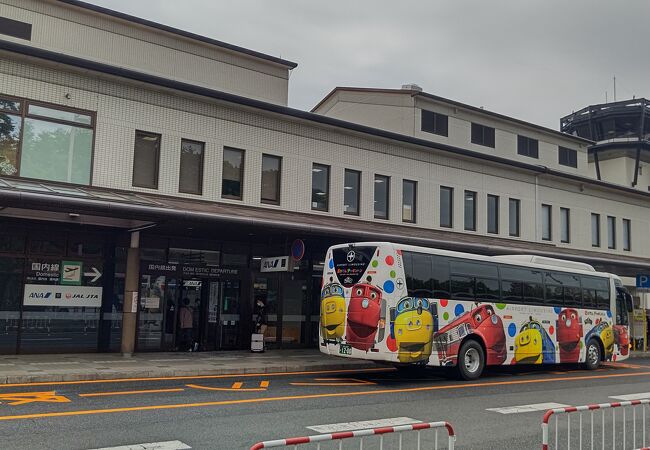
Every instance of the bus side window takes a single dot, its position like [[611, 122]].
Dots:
[[462, 288], [419, 274], [487, 289], [595, 292], [588, 297], [441, 280], [534, 293]]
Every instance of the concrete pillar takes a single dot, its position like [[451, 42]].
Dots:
[[131, 293]]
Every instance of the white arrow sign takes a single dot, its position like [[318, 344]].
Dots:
[[96, 274]]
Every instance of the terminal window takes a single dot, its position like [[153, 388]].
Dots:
[[527, 147], [568, 157], [45, 142], [436, 123], [482, 135]]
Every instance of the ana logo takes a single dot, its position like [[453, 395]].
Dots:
[[351, 256], [40, 295], [271, 264]]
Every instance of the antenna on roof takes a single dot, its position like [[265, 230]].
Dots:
[[614, 87]]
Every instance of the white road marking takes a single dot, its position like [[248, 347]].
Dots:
[[640, 396], [350, 426], [54, 363], [527, 408], [120, 361], [169, 360], [167, 445]]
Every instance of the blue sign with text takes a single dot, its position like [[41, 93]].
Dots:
[[643, 281]]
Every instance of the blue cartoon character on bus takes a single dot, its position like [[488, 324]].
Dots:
[[604, 331], [533, 345], [413, 322]]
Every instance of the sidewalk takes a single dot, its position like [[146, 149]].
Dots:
[[106, 366], [639, 354]]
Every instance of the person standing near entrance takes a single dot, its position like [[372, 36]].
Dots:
[[260, 319], [186, 324]]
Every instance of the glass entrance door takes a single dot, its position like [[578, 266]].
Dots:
[[214, 306], [157, 313], [229, 319], [191, 330], [295, 306]]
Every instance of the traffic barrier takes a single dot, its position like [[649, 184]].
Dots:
[[600, 430], [319, 438]]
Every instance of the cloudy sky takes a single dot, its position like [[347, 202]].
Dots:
[[536, 60]]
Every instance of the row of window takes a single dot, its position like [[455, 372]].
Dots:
[[435, 276], [192, 153], [611, 232], [470, 212], [565, 228], [145, 174], [436, 123]]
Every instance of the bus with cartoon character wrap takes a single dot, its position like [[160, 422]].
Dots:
[[407, 305]]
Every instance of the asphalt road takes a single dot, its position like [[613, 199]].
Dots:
[[233, 412]]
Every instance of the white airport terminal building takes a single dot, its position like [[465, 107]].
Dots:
[[141, 165]]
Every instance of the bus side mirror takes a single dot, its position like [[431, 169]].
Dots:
[[629, 303]]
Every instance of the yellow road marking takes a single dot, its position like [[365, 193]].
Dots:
[[333, 382], [237, 387], [146, 391], [21, 398], [198, 377], [313, 396], [622, 365]]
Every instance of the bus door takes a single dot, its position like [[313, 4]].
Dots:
[[624, 307]]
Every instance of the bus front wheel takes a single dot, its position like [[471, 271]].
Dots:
[[593, 357], [471, 360]]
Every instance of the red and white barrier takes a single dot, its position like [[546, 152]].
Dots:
[[597, 429], [417, 427]]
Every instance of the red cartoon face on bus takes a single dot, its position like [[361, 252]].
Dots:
[[622, 339], [490, 327], [569, 333], [364, 312], [481, 321]]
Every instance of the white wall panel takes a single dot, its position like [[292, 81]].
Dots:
[[97, 37]]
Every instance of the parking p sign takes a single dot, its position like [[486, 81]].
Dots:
[[643, 281]]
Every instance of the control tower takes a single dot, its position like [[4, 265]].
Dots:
[[621, 131]]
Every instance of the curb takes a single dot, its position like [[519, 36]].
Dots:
[[639, 355], [164, 373]]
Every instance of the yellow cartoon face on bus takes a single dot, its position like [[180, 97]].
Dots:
[[528, 346], [412, 328], [333, 312]]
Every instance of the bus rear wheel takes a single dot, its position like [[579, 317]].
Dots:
[[593, 355], [471, 360]]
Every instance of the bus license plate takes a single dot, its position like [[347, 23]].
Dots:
[[345, 349]]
